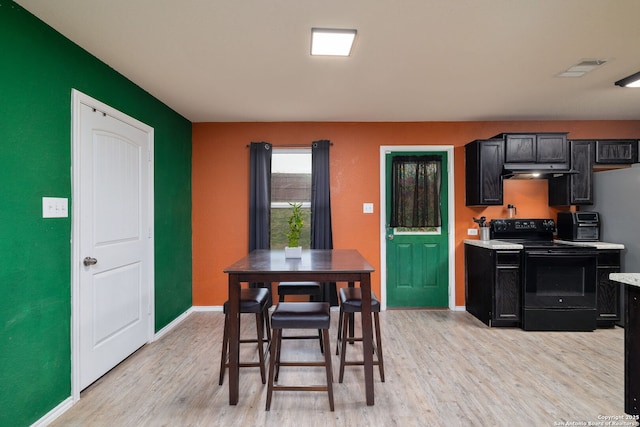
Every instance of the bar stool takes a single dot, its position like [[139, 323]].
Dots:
[[252, 300], [298, 288], [351, 302], [299, 315], [301, 288]]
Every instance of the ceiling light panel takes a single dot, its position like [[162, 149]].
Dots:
[[583, 67], [332, 42], [631, 81]]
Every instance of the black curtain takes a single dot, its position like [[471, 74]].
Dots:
[[321, 233], [415, 191], [260, 200], [259, 195]]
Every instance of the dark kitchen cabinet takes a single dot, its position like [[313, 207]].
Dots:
[[492, 285], [552, 148], [608, 292], [507, 288], [575, 189], [542, 148], [484, 160], [520, 148], [616, 151]]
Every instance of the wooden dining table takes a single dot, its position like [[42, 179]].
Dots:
[[316, 265]]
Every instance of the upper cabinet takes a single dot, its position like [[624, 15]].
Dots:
[[483, 172], [552, 148], [568, 165], [616, 151], [537, 148], [520, 148], [575, 188]]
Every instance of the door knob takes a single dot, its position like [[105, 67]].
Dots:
[[390, 236], [89, 261]]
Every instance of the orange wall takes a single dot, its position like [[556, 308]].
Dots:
[[221, 184]]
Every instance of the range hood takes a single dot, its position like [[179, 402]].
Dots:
[[535, 170]]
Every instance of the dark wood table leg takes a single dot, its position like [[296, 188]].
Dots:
[[234, 338], [632, 351], [351, 318], [367, 336]]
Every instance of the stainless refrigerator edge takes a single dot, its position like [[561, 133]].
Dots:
[[617, 199]]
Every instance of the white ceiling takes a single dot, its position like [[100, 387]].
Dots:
[[414, 60]]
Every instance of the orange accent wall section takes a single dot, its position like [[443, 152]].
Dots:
[[221, 184]]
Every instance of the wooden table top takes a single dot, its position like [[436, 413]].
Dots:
[[313, 260]]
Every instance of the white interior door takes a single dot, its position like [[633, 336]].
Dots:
[[114, 257]]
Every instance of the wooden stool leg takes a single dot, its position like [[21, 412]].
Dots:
[[272, 365], [267, 325], [352, 327], [339, 331], [225, 347], [327, 360], [376, 319], [260, 332], [277, 337], [343, 351]]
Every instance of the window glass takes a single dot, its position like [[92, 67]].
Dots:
[[290, 183]]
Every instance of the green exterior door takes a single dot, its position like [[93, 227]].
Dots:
[[417, 259]]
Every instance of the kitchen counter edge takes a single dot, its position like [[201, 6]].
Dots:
[[632, 279], [499, 244], [493, 244], [597, 245]]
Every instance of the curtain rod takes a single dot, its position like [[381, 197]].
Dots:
[[292, 145]]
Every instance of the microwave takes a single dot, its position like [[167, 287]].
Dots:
[[579, 226]]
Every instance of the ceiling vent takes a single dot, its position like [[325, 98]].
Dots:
[[582, 68]]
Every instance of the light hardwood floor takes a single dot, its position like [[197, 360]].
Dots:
[[442, 368]]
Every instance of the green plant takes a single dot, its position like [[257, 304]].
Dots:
[[295, 225]]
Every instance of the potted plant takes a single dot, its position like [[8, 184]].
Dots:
[[293, 248]]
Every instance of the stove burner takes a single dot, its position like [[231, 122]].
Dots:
[[532, 234]]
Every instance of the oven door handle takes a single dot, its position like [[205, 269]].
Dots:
[[560, 252]]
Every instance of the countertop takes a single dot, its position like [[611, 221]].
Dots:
[[632, 279], [499, 244], [493, 244], [597, 245]]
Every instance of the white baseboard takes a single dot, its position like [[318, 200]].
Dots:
[[162, 332], [459, 308], [207, 308], [54, 413]]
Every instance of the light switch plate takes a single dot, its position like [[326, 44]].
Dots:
[[367, 208], [472, 231], [55, 207]]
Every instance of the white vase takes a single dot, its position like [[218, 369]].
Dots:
[[295, 252]]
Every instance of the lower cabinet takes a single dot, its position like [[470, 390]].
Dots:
[[492, 285], [507, 288], [608, 292]]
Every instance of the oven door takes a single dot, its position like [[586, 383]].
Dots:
[[560, 279]]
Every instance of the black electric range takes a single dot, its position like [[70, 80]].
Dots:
[[558, 280]]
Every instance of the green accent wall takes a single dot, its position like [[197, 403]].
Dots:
[[38, 69]]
